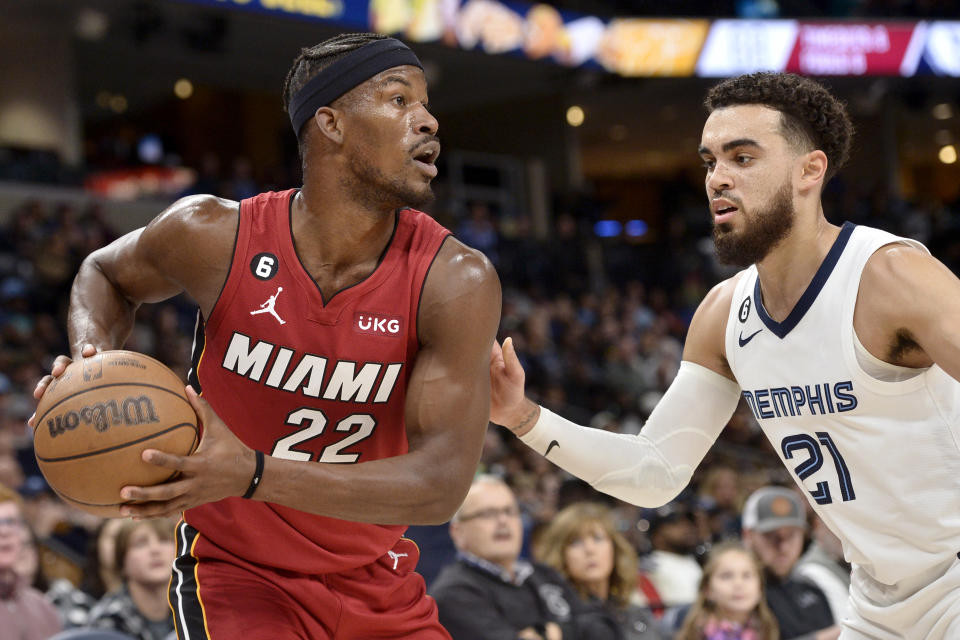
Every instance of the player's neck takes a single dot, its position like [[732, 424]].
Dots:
[[788, 269], [338, 232]]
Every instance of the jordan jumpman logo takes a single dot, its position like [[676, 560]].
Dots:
[[396, 557], [267, 307]]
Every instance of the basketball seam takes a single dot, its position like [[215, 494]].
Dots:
[[123, 445], [108, 504]]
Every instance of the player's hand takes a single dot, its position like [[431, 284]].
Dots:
[[221, 467], [508, 405], [60, 365]]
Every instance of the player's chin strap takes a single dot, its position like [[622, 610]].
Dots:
[[257, 476], [651, 468], [352, 69]]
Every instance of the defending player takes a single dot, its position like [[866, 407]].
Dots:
[[342, 346], [845, 343]]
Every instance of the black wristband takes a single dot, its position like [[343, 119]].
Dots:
[[257, 475]]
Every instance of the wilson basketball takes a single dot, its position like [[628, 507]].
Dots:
[[95, 420]]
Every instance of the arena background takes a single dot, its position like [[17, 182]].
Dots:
[[110, 109]]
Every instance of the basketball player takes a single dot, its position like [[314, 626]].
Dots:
[[843, 340], [355, 404]]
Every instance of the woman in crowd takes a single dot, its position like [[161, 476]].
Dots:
[[144, 552], [730, 604], [583, 544]]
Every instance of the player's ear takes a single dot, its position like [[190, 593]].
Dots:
[[330, 123], [813, 168]]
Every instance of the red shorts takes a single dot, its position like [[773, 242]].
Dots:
[[219, 596]]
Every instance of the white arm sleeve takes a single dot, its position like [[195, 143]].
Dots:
[[651, 468]]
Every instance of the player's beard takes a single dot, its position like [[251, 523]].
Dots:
[[373, 187], [762, 231]]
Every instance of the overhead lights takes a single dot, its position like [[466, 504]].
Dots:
[[183, 88], [575, 116], [948, 154], [118, 103], [91, 25], [943, 111]]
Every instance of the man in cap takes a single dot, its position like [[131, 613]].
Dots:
[[774, 524], [341, 345]]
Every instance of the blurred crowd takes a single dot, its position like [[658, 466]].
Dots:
[[599, 324]]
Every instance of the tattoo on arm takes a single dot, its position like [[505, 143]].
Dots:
[[526, 420]]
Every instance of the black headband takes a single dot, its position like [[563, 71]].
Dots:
[[346, 73]]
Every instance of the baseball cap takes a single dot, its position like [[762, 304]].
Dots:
[[770, 508]]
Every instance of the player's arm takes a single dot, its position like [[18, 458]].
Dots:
[[187, 247], [651, 468], [908, 309]]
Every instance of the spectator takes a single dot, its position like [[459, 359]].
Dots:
[[144, 554], [24, 613], [479, 231], [582, 543], [823, 564], [103, 574], [671, 571], [730, 603], [719, 500], [774, 521], [489, 592], [100, 577]]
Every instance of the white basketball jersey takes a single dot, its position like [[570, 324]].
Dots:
[[879, 461]]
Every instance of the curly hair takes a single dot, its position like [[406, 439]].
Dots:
[[578, 520], [313, 60], [811, 117]]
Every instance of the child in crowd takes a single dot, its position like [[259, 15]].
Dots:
[[730, 604]]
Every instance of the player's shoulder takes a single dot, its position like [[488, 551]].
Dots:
[[718, 300], [200, 209], [190, 227], [893, 258], [461, 266], [899, 266]]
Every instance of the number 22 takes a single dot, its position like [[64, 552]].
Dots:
[[316, 422]]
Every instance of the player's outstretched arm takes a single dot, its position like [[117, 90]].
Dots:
[[651, 468]]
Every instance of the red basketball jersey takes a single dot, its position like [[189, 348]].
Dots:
[[302, 378]]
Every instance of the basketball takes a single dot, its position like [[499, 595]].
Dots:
[[95, 420]]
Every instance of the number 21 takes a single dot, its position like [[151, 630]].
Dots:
[[792, 445]]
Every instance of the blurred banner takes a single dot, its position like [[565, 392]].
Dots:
[[856, 49], [744, 46], [941, 55], [645, 47]]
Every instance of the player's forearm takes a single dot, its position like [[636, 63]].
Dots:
[[413, 488], [99, 314], [651, 468]]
